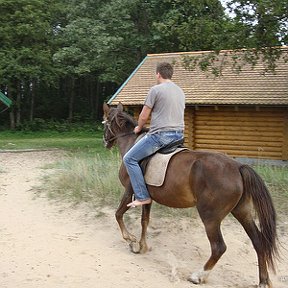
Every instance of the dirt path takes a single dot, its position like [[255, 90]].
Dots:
[[44, 244]]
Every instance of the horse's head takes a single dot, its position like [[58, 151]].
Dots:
[[117, 123]]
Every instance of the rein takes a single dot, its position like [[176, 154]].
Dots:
[[120, 135]]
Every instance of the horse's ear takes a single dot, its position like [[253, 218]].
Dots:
[[120, 107], [106, 108]]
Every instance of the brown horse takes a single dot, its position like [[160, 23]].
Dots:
[[214, 183]]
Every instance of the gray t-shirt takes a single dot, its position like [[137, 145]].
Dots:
[[167, 101]]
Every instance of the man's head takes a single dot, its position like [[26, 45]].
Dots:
[[165, 70]]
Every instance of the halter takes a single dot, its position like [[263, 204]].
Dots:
[[114, 137]]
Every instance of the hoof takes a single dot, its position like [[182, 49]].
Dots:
[[199, 277], [144, 250], [194, 279], [135, 247], [268, 285]]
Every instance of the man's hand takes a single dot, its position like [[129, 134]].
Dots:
[[137, 130]]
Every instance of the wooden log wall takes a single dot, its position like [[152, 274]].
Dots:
[[242, 132], [285, 136], [189, 127], [252, 132]]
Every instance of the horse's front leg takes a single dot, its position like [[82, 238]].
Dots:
[[130, 238]]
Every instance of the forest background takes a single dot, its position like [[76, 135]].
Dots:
[[60, 59]]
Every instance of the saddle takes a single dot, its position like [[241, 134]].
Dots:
[[172, 147], [154, 167]]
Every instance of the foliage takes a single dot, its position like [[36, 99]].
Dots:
[[25, 32], [62, 59], [236, 60], [266, 21], [39, 124], [190, 25], [254, 32]]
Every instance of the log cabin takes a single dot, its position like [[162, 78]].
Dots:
[[239, 113]]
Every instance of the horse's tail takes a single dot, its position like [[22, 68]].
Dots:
[[255, 186]]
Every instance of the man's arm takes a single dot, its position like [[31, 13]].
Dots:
[[143, 117]]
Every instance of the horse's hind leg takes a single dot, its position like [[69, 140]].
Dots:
[[144, 222], [243, 214], [218, 247]]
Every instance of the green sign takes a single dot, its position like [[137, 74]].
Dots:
[[5, 100]]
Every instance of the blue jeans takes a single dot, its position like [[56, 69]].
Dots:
[[145, 147]]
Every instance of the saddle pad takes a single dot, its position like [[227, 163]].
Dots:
[[157, 166]]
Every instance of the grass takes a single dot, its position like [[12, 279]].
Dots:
[[42, 140], [81, 178], [89, 173], [95, 180], [276, 179], [70, 141]]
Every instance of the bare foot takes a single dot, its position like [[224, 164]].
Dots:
[[136, 203]]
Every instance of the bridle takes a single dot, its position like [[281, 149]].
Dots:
[[114, 136]]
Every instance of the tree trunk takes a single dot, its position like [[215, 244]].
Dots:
[[71, 99], [11, 92], [18, 104], [97, 98], [32, 101], [88, 82], [12, 119]]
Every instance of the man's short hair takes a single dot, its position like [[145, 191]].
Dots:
[[165, 69]]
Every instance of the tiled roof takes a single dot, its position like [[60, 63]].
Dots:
[[251, 86]]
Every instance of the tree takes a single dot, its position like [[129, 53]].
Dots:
[[62, 58], [266, 20], [189, 25], [257, 26], [25, 51], [103, 40]]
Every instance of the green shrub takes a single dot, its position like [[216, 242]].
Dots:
[[38, 125]]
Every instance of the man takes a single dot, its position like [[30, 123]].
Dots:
[[166, 103]]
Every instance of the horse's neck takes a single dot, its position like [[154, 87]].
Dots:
[[125, 143]]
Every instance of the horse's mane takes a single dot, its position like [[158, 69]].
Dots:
[[123, 119]]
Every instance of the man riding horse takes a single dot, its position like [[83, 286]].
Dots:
[[166, 103]]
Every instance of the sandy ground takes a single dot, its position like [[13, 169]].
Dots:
[[45, 244]]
